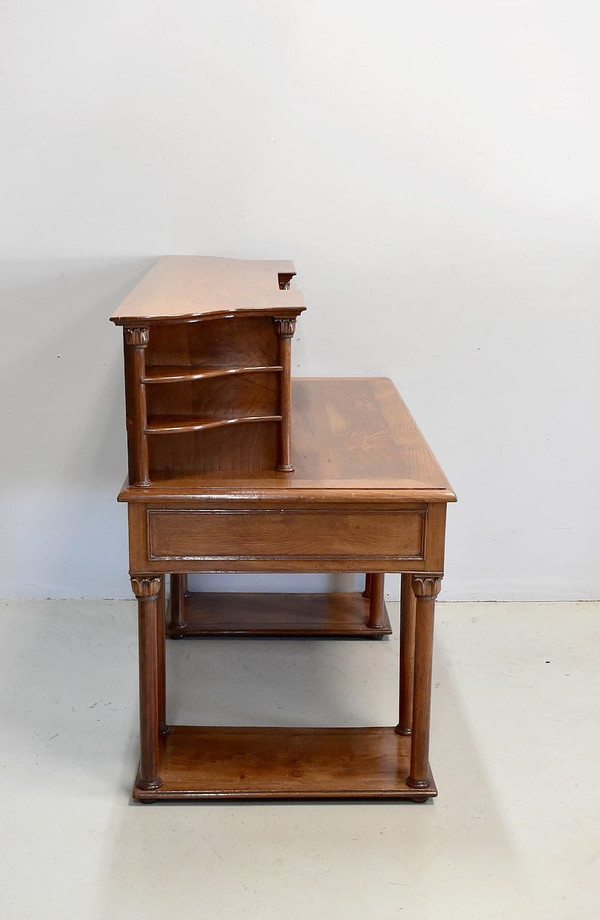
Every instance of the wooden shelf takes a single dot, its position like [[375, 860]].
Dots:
[[237, 614], [178, 424], [283, 763], [228, 323], [176, 374]]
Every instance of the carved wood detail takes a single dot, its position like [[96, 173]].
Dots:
[[426, 586], [285, 327], [138, 336], [145, 586]]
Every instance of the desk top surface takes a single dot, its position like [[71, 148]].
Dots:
[[179, 288], [352, 439]]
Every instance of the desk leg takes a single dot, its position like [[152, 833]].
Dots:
[[147, 590], [160, 668], [426, 589], [177, 617], [407, 655], [368, 582], [376, 600]]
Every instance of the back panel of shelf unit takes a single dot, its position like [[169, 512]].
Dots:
[[233, 448], [218, 397], [236, 341]]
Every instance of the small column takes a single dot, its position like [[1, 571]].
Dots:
[[407, 655], [147, 589], [367, 591], [161, 663], [285, 330], [177, 615], [135, 342], [377, 602], [426, 588]]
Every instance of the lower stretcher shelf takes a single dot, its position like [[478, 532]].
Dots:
[[202, 762], [236, 614]]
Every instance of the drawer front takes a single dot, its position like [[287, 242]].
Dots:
[[290, 534]]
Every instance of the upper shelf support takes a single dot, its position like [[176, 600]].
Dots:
[[285, 331], [135, 341]]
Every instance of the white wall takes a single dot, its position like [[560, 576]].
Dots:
[[431, 167]]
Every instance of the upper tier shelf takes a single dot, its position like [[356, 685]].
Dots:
[[162, 373], [180, 288], [180, 424]]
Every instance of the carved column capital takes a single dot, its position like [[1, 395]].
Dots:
[[284, 279], [145, 585], [285, 327], [138, 335], [426, 586]]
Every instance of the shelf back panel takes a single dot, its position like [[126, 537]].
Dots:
[[250, 447], [239, 341]]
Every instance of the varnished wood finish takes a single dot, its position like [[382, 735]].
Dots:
[[376, 601], [207, 347], [241, 344], [284, 763], [233, 536], [200, 287], [177, 602], [354, 439], [332, 614], [407, 655], [172, 373], [161, 659], [300, 536], [366, 496], [368, 580], [147, 590], [224, 448], [426, 590], [204, 397], [178, 424], [285, 330], [135, 343]]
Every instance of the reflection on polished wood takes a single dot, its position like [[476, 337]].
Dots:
[[407, 655], [233, 614], [196, 287], [366, 496], [283, 763], [207, 345], [353, 438]]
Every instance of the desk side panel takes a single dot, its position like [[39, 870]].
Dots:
[[270, 539]]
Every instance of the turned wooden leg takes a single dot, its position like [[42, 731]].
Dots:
[[367, 591], [147, 590], [160, 666], [426, 589], [177, 609], [376, 604], [407, 655], [285, 330], [135, 341]]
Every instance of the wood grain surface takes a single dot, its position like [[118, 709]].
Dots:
[[298, 535], [353, 439], [186, 287], [198, 762], [241, 614]]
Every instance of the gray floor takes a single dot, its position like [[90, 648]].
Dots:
[[515, 753]]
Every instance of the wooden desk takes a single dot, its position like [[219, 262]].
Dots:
[[367, 495]]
